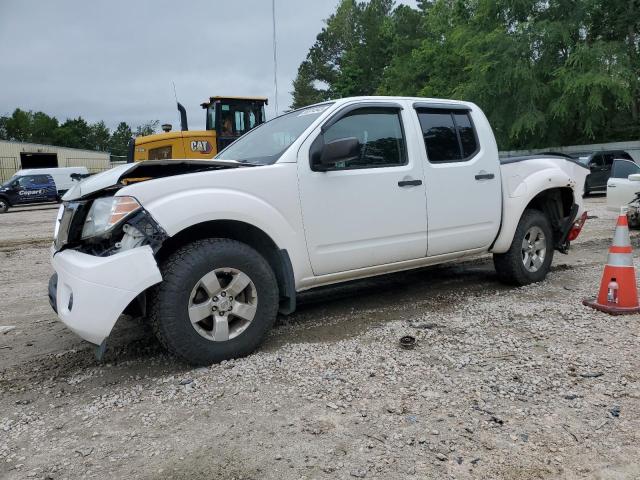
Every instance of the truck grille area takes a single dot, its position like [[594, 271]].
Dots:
[[70, 229]]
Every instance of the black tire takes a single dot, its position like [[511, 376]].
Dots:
[[510, 265], [4, 205], [169, 301], [586, 192]]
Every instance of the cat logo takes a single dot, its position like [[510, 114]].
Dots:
[[201, 146]]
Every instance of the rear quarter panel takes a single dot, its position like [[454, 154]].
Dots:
[[523, 180]]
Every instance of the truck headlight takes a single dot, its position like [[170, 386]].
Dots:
[[107, 212]]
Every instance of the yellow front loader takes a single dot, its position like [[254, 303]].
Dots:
[[227, 118]]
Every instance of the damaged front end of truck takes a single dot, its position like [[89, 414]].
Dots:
[[104, 248]]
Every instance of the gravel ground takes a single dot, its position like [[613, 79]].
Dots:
[[504, 383]]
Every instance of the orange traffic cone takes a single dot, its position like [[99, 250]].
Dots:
[[618, 292]]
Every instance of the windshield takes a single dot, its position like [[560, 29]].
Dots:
[[266, 144], [236, 117], [8, 182]]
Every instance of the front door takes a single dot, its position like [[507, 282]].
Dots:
[[27, 191], [464, 194], [369, 209], [621, 190]]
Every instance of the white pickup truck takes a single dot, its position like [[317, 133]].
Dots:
[[211, 251]]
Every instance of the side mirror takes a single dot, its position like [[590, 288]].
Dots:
[[340, 150], [634, 177], [593, 167]]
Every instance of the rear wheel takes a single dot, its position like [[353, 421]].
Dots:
[[529, 258], [217, 301], [4, 205]]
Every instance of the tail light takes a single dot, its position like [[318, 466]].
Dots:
[[577, 227]]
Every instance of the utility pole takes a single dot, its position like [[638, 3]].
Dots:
[[275, 54]]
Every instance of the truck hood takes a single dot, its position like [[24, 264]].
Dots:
[[129, 173]]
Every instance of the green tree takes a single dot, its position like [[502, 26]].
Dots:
[[18, 126], [3, 128], [148, 128], [73, 133], [349, 55], [43, 128], [99, 137], [305, 91], [119, 141], [545, 73]]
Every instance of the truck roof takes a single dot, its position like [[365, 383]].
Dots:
[[434, 101], [216, 98], [51, 171]]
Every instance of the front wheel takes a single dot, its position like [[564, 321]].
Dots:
[[529, 258], [4, 205], [217, 300]]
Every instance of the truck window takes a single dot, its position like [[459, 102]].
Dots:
[[379, 132], [40, 179], [597, 160], [25, 181], [624, 168], [608, 160], [449, 135]]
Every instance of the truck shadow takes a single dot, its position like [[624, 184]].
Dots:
[[328, 314]]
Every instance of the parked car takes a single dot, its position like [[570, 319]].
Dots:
[[599, 163], [623, 185], [211, 251], [38, 185]]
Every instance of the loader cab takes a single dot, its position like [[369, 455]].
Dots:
[[232, 117], [227, 118]]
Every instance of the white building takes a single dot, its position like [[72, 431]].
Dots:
[[18, 155]]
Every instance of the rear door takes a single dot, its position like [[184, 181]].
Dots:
[[370, 209], [597, 177], [621, 190], [464, 193], [47, 185]]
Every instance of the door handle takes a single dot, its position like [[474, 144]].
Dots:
[[611, 186], [409, 183], [485, 176]]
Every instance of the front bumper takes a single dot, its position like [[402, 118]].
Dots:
[[92, 292]]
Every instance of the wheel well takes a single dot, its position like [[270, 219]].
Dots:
[[556, 204], [6, 199], [250, 235]]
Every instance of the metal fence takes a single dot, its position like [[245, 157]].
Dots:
[[8, 166]]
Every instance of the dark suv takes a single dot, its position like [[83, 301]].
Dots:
[[600, 165], [26, 189]]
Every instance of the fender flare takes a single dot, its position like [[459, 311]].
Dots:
[[518, 197]]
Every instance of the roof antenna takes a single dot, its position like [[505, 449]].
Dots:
[[275, 55], [184, 126]]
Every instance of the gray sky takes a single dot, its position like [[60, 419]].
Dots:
[[114, 60]]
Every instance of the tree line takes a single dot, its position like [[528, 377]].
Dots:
[[553, 72], [38, 127]]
